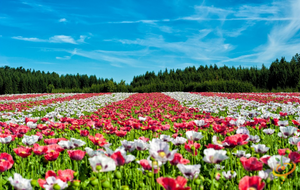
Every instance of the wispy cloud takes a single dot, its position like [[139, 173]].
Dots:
[[38, 7], [62, 39], [67, 57], [28, 39], [54, 39], [136, 21], [62, 20], [114, 58], [281, 38]]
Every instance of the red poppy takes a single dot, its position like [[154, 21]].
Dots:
[[283, 151], [66, 175], [84, 133], [50, 141], [251, 164], [118, 158], [53, 147], [6, 161], [144, 139], [23, 151], [42, 127], [214, 146], [51, 156], [235, 140], [191, 147], [39, 150], [254, 182], [173, 184], [98, 139], [219, 128], [76, 154], [295, 157], [121, 133], [178, 159], [146, 166], [265, 159]]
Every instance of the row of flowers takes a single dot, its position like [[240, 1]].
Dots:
[[36, 97], [258, 97], [26, 105]]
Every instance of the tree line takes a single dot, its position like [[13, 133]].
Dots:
[[282, 75]]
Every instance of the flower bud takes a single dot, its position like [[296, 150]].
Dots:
[[141, 184], [150, 174], [118, 175], [125, 187], [56, 187], [34, 183], [106, 184], [198, 181], [98, 168], [94, 181], [76, 183]]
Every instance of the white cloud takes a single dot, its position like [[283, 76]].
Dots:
[[28, 39], [54, 39], [136, 21], [62, 39], [82, 38], [68, 56], [62, 20], [64, 58]]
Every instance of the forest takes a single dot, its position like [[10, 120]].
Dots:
[[281, 76]]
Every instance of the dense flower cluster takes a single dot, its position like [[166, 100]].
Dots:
[[150, 141]]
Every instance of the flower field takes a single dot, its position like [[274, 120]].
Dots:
[[150, 141]]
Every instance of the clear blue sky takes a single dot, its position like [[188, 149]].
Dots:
[[122, 38]]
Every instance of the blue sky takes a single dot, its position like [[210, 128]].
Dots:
[[122, 38]]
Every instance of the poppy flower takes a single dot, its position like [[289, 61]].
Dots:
[[160, 150], [254, 182], [141, 145], [214, 156], [121, 133], [50, 141], [178, 159], [66, 175], [295, 157], [39, 150], [192, 147], [147, 164], [173, 184], [23, 151], [214, 146], [106, 163], [76, 154], [84, 133], [251, 164], [189, 171], [54, 147], [20, 183], [51, 156], [6, 162], [193, 136], [118, 158], [98, 139], [235, 140], [144, 139]]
